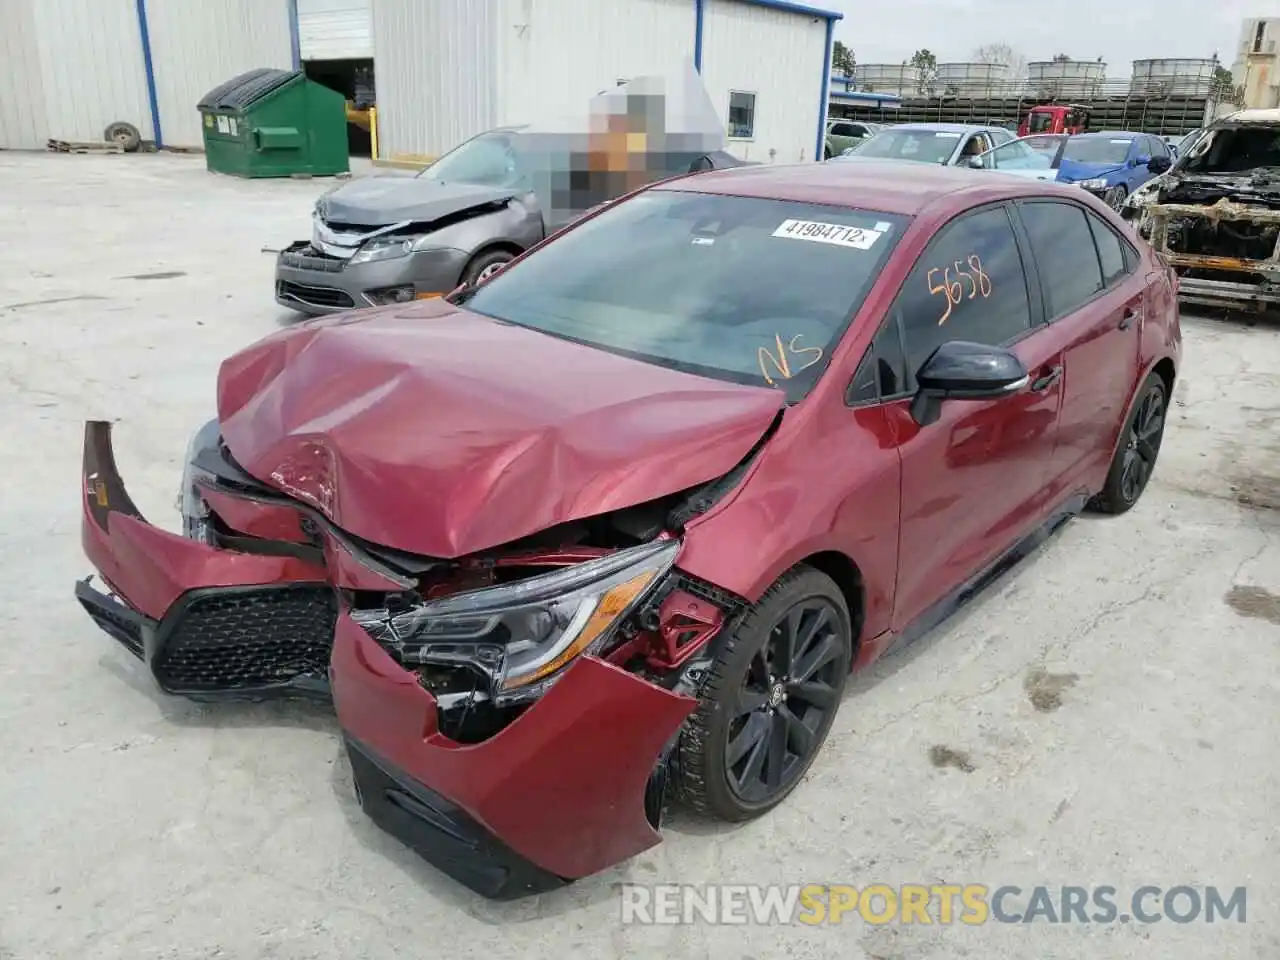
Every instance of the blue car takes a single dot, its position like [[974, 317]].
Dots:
[[1113, 163]]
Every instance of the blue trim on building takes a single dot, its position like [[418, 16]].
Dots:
[[699, 13], [787, 7], [826, 85], [295, 44], [153, 101]]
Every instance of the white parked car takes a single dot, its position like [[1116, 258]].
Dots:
[[1036, 157]]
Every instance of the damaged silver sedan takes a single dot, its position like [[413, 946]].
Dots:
[[1215, 216]]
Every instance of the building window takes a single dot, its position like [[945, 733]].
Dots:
[[742, 115]]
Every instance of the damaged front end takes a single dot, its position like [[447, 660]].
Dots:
[[1215, 218], [1222, 237], [510, 715]]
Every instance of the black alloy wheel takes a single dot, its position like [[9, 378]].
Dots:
[[1142, 445], [786, 697], [770, 699], [1135, 458]]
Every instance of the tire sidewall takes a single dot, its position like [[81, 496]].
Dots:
[[714, 714], [1113, 487]]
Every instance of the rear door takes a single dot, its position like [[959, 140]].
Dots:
[[1094, 296], [973, 481]]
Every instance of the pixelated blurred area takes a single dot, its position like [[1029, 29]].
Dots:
[[644, 130]]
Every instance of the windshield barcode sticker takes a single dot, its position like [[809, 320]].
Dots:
[[836, 233]]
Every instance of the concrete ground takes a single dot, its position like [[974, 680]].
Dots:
[[1109, 714]]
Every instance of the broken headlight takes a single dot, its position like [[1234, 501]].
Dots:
[[521, 635], [383, 248], [195, 514]]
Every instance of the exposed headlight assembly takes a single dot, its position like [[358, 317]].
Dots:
[[384, 248], [195, 515], [520, 636]]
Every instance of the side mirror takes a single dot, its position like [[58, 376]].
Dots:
[[959, 370], [1141, 160], [1159, 164], [977, 163]]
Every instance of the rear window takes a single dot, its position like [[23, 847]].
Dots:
[[1097, 149], [749, 290]]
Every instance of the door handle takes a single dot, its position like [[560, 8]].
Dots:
[[1048, 380], [1130, 314]]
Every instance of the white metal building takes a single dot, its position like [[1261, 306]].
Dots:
[[69, 68], [445, 69], [452, 68]]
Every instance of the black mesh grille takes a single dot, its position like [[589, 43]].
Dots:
[[306, 257], [246, 89], [248, 639]]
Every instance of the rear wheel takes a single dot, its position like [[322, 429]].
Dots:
[[1135, 458], [770, 699]]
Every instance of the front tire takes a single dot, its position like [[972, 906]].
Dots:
[[485, 265], [1115, 197], [1135, 457], [769, 701]]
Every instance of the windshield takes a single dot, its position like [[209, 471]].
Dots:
[[1019, 155], [1097, 150], [1041, 122], [924, 146], [743, 289], [1233, 150], [489, 160]]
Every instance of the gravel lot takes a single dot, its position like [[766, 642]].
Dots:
[[1109, 714]]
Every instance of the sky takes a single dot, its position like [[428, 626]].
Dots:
[[1119, 31]]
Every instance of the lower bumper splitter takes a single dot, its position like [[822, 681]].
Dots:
[[440, 832]]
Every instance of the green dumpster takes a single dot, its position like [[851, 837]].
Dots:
[[274, 123]]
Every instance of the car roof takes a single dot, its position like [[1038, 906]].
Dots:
[[1095, 134], [1256, 115], [886, 186], [943, 127]]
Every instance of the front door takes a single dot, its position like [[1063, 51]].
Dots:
[[1094, 295], [973, 482]]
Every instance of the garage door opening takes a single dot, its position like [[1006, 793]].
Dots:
[[354, 80]]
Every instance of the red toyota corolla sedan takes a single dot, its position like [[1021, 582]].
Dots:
[[615, 525]]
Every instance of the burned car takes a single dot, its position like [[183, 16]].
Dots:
[[614, 525], [1215, 216], [393, 239]]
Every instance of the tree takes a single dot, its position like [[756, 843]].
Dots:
[[924, 61], [842, 60], [1223, 89], [1002, 53]]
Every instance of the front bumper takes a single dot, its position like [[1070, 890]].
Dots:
[[313, 283], [563, 791]]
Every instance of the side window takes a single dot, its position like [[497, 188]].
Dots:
[[843, 130], [1110, 253], [969, 284], [1063, 247], [880, 375]]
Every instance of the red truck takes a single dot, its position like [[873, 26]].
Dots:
[[1055, 118]]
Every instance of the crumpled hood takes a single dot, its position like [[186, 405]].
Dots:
[[1070, 171], [381, 201], [439, 432]]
